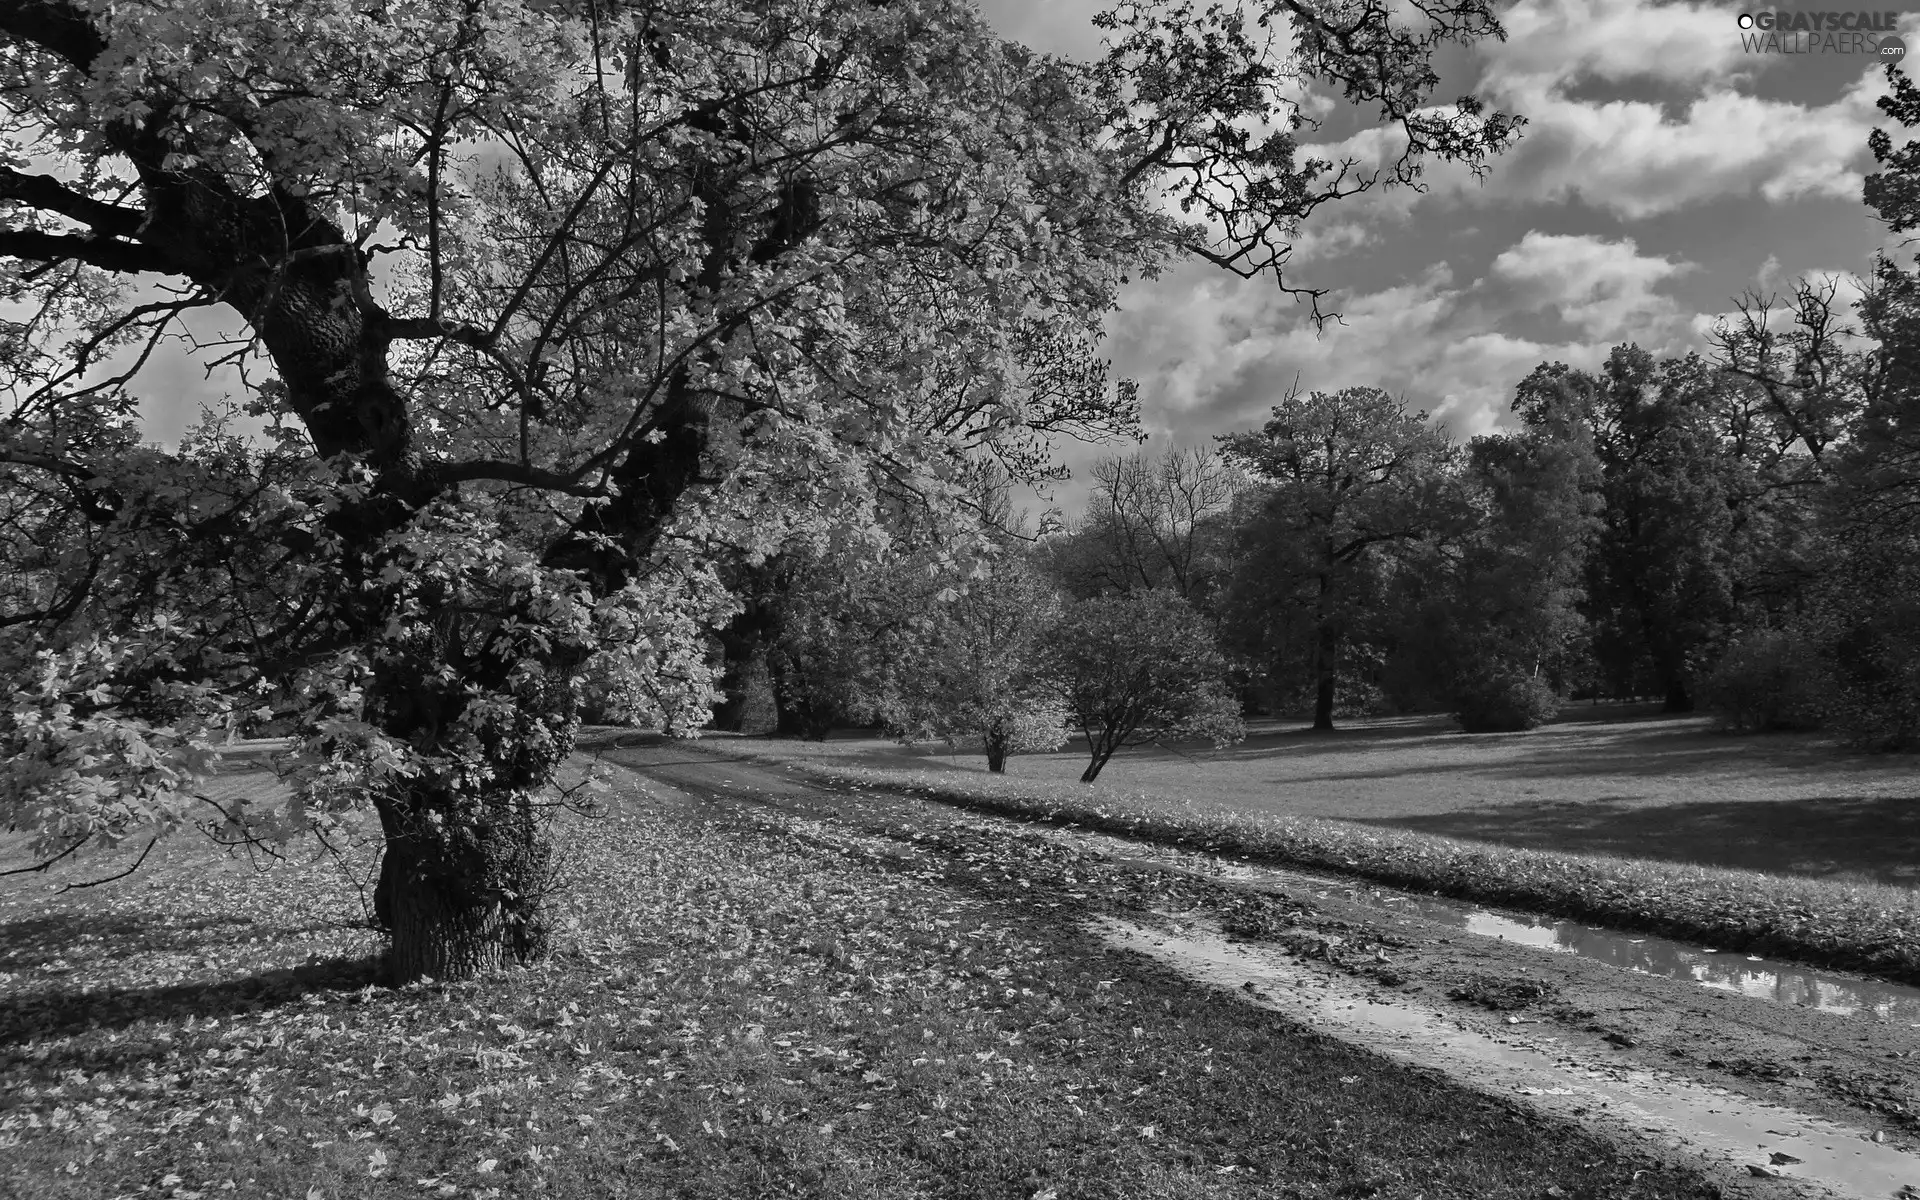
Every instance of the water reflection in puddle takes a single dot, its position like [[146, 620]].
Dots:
[[1742, 974], [1746, 975]]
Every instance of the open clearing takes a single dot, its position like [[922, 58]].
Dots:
[[1605, 780]]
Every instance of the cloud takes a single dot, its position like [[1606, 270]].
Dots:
[[1329, 240], [1637, 155], [1214, 355], [1604, 289], [1616, 41], [1627, 157]]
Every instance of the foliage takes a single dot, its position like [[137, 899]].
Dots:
[[1496, 698], [1770, 679], [1345, 482], [1140, 668], [1865, 616], [1707, 478], [979, 671], [1496, 592], [843, 630]]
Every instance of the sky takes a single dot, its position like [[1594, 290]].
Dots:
[[1664, 171]]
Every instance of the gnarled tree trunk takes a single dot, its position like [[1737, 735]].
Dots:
[[462, 896]]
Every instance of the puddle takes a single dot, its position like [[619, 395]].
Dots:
[[1728, 1131], [1747, 975]]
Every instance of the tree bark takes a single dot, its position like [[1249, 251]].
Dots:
[[462, 898], [1326, 650], [1092, 772], [996, 751]]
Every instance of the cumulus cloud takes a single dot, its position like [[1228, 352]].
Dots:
[[1616, 41], [1214, 355], [1604, 289], [1631, 154], [1628, 157]]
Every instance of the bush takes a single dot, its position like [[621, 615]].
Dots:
[[1768, 680], [1875, 703], [1503, 699]]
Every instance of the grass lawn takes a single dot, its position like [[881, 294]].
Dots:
[[1605, 780], [1843, 921], [744, 1004]]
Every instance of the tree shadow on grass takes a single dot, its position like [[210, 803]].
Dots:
[[58, 1012], [35, 941], [1819, 837], [1650, 747]]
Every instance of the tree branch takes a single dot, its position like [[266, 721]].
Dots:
[[520, 473], [107, 254], [56, 26], [122, 875], [44, 864], [46, 192]]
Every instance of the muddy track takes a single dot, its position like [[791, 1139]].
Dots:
[[1836, 1097]]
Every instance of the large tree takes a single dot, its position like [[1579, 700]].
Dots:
[[1491, 600], [1669, 559], [1345, 478], [552, 307]]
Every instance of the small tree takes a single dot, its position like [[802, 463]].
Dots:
[[978, 674], [1141, 668]]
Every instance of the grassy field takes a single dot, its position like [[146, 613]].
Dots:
[[744, 1004], [1842, 921], [1608, 780]]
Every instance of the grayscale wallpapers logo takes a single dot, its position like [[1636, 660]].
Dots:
[[1780, 32]]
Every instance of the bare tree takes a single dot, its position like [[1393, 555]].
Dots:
[[1152, 522]]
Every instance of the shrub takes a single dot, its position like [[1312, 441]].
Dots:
[[1502, 699], [1769, 679], [1875, 703]]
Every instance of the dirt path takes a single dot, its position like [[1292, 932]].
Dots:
[[1720, 1079]]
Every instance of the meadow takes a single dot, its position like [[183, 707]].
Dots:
[[1613, 779], [1781, 846]]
